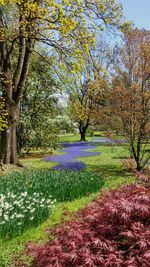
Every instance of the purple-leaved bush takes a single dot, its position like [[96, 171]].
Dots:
[[112, 231]]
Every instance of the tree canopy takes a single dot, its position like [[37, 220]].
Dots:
[[67, 27], [130, 95]]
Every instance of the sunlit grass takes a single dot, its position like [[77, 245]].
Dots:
[[37, 163], [71, 138]]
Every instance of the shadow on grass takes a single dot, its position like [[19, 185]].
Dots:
[[113, 176], [109, 170], [121, 157]]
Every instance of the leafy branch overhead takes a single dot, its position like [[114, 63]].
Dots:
[[3, 115], [69, 28]]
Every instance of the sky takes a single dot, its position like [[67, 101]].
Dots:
[[137, 11]]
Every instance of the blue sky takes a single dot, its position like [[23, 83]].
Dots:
[[138, 11]]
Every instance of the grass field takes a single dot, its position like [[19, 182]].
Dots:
[[108, 164]]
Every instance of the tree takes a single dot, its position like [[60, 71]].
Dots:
[[130, 95], [84, 105], [39, 106], [86, 98], [62, 25]]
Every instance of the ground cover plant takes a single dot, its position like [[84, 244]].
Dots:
[[111, 231], [26, 198], [22, 210], [73, 151]]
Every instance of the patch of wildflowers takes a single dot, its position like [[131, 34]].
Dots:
[[74, 150], [16, 211]]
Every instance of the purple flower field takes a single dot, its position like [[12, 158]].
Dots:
[[102, 139], [70, 165], [106, 140], [73, 151]]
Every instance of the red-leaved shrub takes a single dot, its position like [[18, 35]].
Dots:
[[112, 231]]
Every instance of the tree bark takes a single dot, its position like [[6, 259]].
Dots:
[[13, 83], [82, 130], [138, 165], [10, 135], [82, 136], [136, 156]]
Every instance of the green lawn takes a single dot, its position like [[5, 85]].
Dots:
[[37, 164], [71, 138], [108, 164]]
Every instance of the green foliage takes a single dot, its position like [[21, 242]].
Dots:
[[38, 107], [62, 185], [63, 123], [21, 210], [26, 197], [88, 93], [90, 132], [62, 24], [88, 98], [3, 115]]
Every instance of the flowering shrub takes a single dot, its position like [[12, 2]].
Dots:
[[19, 211], [112, 231]]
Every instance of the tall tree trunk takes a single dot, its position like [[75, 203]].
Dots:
[[1, 146], [82, 130], [82, 136], [10, 144], [138, 165], [136, 156], [13, 82]]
